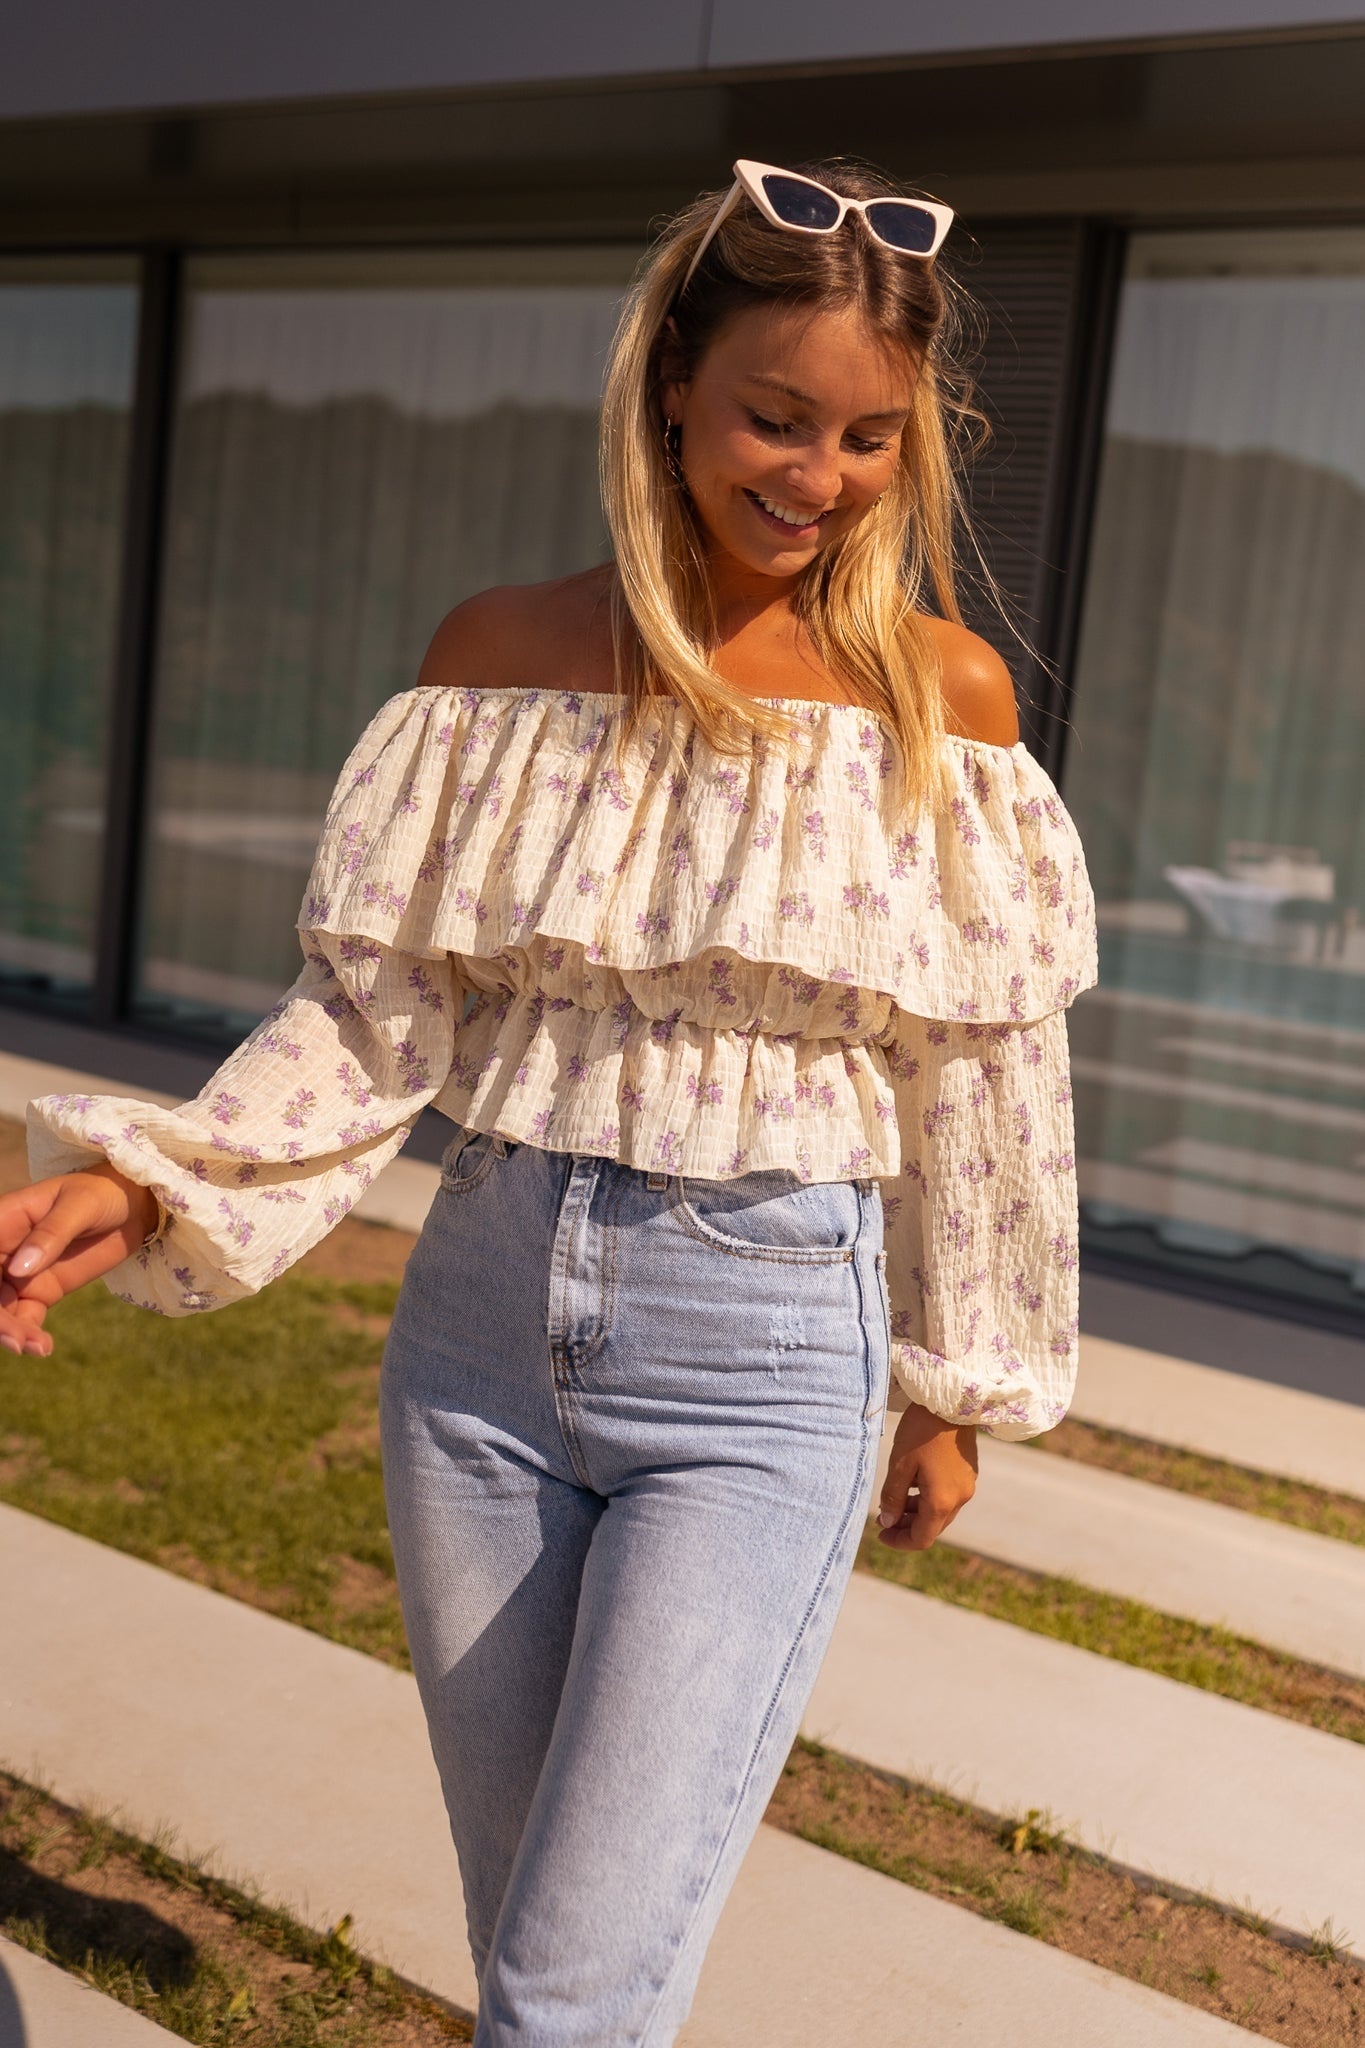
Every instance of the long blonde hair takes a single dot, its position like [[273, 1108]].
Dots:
[[860, 599]]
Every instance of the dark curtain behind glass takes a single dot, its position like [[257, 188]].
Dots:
[[67, 342], [355, 452], [1217, 762]]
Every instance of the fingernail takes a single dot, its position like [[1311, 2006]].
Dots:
[[23, 1263], [886, 1516], [9, 1344]]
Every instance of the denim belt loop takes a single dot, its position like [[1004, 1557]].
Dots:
[[657, 1182]]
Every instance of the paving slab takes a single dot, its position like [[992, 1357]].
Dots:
[[44, 2007], [1223, 1414], [400, 1196], [1283, 1587], [285, 1759], [1163, 1778]]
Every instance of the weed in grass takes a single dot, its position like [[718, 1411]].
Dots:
[[1033, 1835], [1328, 1943]]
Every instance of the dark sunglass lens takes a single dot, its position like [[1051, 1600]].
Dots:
[[801, 205], [902, 225]]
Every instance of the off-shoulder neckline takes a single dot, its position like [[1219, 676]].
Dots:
[[954, 739]]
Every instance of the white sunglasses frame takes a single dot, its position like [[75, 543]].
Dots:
[[749, 178]]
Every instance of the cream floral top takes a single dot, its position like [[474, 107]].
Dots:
[[683, 960]]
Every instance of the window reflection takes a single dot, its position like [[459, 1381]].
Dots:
[[360, 443], [68, 336], [1215, 767]]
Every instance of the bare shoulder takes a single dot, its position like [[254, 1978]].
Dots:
[[978, 690], [544, 636]]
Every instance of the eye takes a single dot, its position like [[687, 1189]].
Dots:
[[861, 447], [766, 426]]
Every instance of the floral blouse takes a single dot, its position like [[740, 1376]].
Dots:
[[687, 961]]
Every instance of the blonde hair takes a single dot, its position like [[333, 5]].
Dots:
[[858, 599]]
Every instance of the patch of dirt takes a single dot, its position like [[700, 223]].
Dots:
[[1021, 1873], [202, 1958], [360, 1252], [1339, 1515], [361, 1588]]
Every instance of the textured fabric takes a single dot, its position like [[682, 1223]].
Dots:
[[585, 1554], [691, 962]]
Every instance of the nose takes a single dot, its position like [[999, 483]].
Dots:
[[815, 476]]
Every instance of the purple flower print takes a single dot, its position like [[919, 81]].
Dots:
[[607, 1139], [1048, 877], [935, 888], [621, 1014], [576, 1067], [804, 988], [338, 1006], [707, 1093], [933, 1117], [719, 982], [353, 1085], [861, 896], [628, 851], [962, 818], [540, 1125], [680, 854], [780, 1107], [361, 952], [767, 830], [247, 1173], [735, 1163], [406, 800], [1026, 1297], [276, 1042], [354, 841], [317, 909], [796, 908], [855, 1165], [855, 774], [799, 778], [283, 1195], [668, 1152], [335, 1209], [977, 1171], [363, 777], [728, 782], [653, 923], [813, 827], [719, 893], [426, 990], [613, 786], [225, 1108], [904, 855], [631, 1096], [1023, 1119], [481, 732], [1057, 1162], [471, 905], [979, 931], [570, 788], [901, 1062], [299, 1108], [383, 896], [590, 883], [412, 1067], [438, 859], [240, 1230], [525, 913], [662, 1029], [1013, 1214]]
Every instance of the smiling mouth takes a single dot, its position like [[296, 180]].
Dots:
[[786, 518]]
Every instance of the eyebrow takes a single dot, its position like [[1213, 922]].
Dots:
[[771, 383]]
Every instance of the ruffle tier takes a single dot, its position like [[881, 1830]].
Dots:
[[473, 822]]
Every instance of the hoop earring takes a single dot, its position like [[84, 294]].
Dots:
[[672, 445]]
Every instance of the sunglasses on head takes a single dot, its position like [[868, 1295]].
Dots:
[[912, 227]]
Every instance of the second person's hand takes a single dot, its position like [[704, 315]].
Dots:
[[55, 1235]]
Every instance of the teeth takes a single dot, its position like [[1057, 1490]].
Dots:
[[788, 517]]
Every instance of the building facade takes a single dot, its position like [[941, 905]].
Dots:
[[302, 323]]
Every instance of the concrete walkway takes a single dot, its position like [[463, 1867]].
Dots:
[[1280, 1586], [1223, 1414], [44, 2007], [286, 1759], [1162, 1777]]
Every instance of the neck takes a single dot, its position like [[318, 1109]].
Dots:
[[746, 600]]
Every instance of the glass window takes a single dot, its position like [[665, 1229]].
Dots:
[[1216, 765], [360, 443], [68, 339]]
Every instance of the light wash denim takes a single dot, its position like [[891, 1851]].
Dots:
[[629, 1430]]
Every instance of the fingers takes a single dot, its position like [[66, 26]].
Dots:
[[930, 1478], [59, 1214], [21, 1326]]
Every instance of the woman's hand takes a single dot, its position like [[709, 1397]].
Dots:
[[56, 1235], [939, 1458]]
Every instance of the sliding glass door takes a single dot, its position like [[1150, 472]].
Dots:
[[68, 338], [1216, 768], [360, 443]]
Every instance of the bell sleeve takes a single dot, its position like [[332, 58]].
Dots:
[[982, 1223], [300, 1119]]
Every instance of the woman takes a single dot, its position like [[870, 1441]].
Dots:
[[714, 897]]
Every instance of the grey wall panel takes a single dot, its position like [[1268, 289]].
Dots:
[[85, 56], [756, 32]]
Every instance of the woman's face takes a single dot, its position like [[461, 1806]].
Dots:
[[791, 429]]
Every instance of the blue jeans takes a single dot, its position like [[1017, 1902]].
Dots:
[[629, 1430]]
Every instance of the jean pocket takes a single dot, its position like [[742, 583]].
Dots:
[[468, 1158], [772, 1215]]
